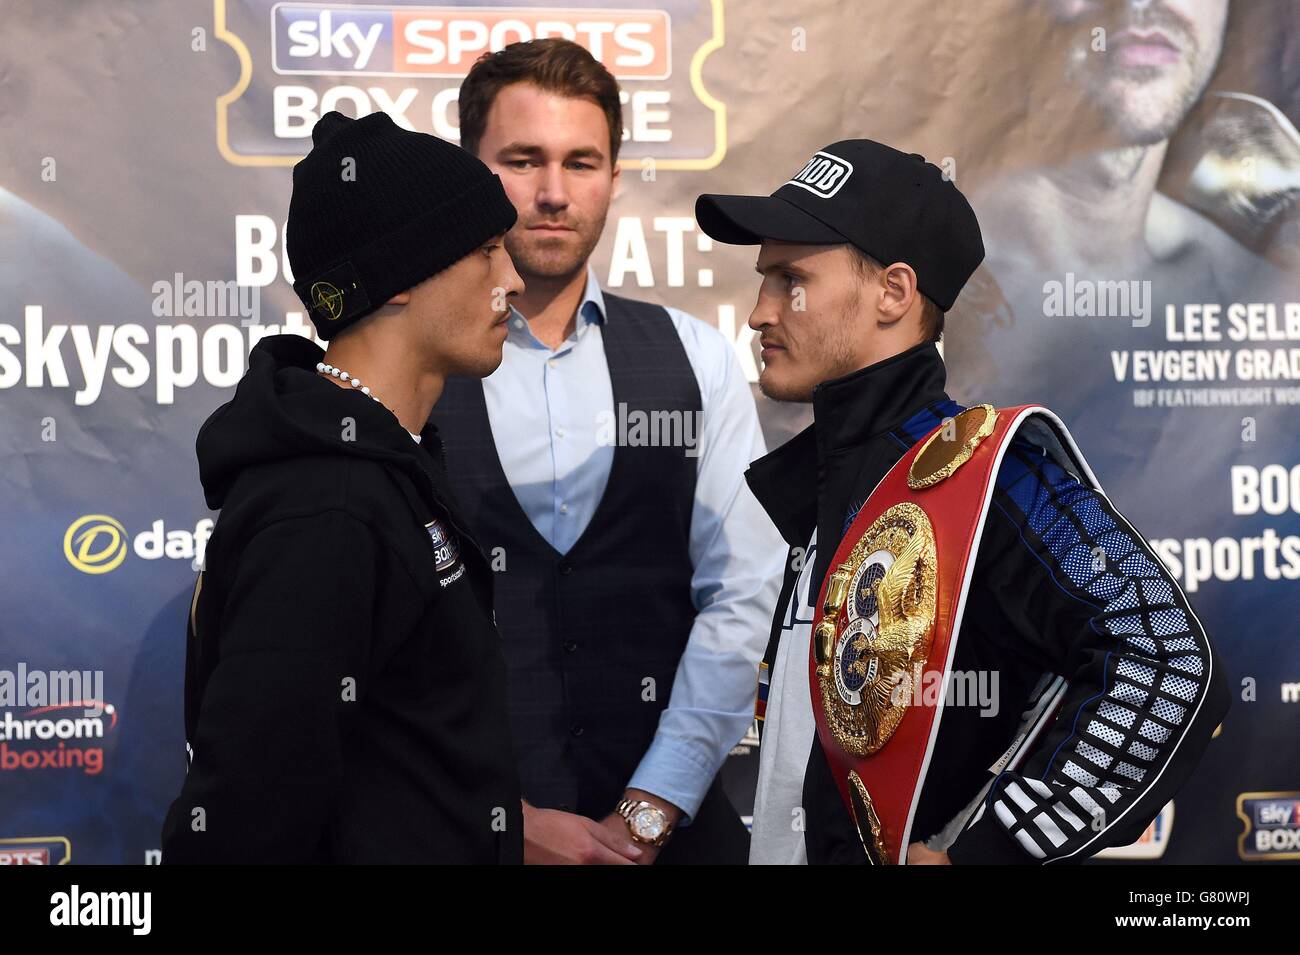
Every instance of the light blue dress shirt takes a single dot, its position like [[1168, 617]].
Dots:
[[546, 408]]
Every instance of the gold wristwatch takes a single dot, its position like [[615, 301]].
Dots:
[[645, 821]]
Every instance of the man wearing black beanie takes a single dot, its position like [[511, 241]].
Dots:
[[344, 690]]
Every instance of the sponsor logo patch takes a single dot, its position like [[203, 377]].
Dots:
[[446, 549]]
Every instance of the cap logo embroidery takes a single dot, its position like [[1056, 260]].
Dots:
[[823, 175], [327, 299]]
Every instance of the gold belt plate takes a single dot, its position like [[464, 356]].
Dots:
[[951, 446], [876, 629]]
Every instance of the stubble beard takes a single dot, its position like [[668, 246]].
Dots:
[[533, 259], [1144, 105], [834, 346]]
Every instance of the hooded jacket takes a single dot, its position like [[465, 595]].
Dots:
[[344, 685]]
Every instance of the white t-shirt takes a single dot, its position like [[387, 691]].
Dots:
[[415, 436], [788, 733]]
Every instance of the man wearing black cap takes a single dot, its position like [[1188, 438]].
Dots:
[[1082, 690], [345, 696]]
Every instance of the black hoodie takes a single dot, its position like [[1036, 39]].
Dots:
[[344, 686]]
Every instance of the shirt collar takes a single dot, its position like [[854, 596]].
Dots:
[[591, 311], [592, 306]]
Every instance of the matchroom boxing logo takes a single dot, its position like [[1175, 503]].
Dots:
[[97, 543], [65, 736]]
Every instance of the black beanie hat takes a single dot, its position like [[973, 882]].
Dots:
[[404, 208]]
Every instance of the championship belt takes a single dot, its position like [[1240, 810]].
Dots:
[[890, 609]]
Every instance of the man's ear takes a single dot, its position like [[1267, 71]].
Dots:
[[401, 298], [897, 291]]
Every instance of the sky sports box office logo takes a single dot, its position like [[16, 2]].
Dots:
[[37, 850], [298, 61], [309, 39], [1272, 825]]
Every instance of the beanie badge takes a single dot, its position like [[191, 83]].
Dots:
[[338, 294], [327, 300]]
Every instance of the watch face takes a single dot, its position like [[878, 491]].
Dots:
[[648, 823]]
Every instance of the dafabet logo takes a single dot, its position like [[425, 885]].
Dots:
[[97, 543]]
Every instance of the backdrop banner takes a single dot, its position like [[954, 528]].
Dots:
[[1135, 168]]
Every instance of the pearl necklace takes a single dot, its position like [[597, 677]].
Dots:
[[343, 376]]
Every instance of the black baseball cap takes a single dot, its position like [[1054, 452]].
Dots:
[[894, 206]]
